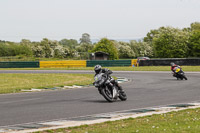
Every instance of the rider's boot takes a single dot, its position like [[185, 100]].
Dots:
[[120, 89]]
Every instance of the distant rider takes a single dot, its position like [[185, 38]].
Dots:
[[98, 70], [174, 67]]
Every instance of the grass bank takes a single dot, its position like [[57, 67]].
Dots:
[[174, 122], [11, 83], [141, 68]]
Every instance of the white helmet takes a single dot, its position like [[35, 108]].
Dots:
[[172, 64], [97, 69]]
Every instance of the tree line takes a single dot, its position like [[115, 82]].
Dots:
[[164, 42]]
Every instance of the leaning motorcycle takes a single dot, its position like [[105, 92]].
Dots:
[[110, 94], [179, 74]]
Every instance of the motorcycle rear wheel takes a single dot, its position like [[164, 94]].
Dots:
[[184, 77], [122, 96]]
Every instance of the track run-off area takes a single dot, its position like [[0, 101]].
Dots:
[[145, 89]]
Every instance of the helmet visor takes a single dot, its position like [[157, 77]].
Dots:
[[97, 71]]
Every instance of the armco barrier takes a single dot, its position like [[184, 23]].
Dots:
[[34, 64], [166, 62], [109, 63], [68, 63]]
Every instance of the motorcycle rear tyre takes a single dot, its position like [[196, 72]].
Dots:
[[184, 77], [122, 96]]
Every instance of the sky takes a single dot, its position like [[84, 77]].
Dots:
[[114, 19]]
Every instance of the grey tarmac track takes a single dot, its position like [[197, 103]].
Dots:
[[146, 89]]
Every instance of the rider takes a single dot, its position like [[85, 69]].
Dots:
[[174, 67], [98, 70]]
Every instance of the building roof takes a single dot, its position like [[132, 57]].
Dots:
[[100, 52]]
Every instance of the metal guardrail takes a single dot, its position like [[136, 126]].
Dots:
[[24, 64], [166, 62], [67, 63]]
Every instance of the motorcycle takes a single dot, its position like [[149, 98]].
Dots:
[[179, 74], [111, 94]]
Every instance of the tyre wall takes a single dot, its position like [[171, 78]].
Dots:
[[27, 64], [109, 63], [62, 64], [166, 62]]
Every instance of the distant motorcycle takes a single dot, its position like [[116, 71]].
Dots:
[[179, 74], [111, 95]]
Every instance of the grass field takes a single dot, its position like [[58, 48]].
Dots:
[[185, 121], [11, 83], [141, 68]]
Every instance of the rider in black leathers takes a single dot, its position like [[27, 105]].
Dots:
[[98, 70]]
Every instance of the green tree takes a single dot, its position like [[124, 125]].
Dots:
[[85, 38], [195, 26], [46, 47], [171, 43], [25, 42], [71, 43], [141, 48], [106, 45], [14, 49], [84, 47], [150, 35], [125, 50], [3, 49], [194, 44], [194, 41], [38, 50], [60, 51]]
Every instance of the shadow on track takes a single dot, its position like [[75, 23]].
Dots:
[[101, 101], [96, 101], [174, 80]]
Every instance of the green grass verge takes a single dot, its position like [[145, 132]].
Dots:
[[11, 83], [141, 68], [174, 122]]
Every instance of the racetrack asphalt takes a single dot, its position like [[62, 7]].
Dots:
[[145, 89]]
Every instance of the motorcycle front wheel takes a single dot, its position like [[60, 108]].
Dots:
[[107, 94]]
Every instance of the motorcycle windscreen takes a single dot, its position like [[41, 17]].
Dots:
[[99, 79]]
